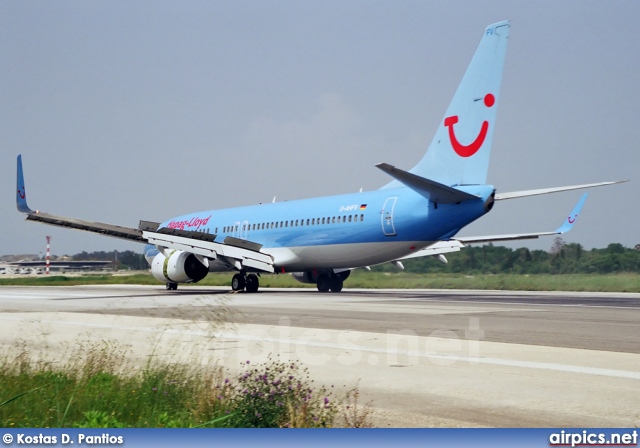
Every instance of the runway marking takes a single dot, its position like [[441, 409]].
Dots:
[[470, 302], [472, 360]]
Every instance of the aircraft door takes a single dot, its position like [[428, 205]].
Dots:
[[387, 216], [244, 232], [237, 229]]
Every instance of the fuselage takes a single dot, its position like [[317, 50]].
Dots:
[[342, 231]]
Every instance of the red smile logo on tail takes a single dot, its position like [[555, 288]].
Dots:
[[473, 147]]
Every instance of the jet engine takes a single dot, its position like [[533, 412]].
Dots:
[[179, 267], [305, 277], [312, 276]]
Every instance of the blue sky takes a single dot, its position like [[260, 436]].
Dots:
[[147, 110]]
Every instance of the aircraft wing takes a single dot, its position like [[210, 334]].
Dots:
[[439, 248], [240, 254], [525, 193], [457, 243], [127, 233]]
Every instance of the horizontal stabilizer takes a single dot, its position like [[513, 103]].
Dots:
[[525, 193], [433, 191]]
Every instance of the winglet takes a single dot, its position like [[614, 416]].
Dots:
[[21, 194], [573, 216]]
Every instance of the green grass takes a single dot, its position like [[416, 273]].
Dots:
[[101, 389], [624, 282]]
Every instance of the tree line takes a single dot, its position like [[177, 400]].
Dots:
[[127, 259], [562, 258]]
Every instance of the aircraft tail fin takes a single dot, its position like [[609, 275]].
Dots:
[[459, 152]]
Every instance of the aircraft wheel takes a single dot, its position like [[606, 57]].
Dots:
[[336, 284], [172, 286], [252, 283], [237, 282], [324, 283]]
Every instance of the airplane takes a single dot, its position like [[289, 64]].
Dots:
[[321, 240]]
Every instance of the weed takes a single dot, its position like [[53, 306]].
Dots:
[[278, 394], [100, 389]]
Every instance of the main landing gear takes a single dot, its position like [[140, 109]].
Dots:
[[328, 282], [172, 286], [245, 282]]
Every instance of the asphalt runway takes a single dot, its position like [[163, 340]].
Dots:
[[423, 357]]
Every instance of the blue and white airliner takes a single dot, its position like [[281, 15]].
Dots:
[[418, 213]]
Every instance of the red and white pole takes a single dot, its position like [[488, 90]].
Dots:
[[48, 253]]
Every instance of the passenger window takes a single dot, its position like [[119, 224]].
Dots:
[[361, 217], [296, 223], [333, 220], [349, 218], [307, 221]]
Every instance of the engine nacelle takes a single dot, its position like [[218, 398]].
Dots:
[[312, 276], [180, 267], [304, 277]]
